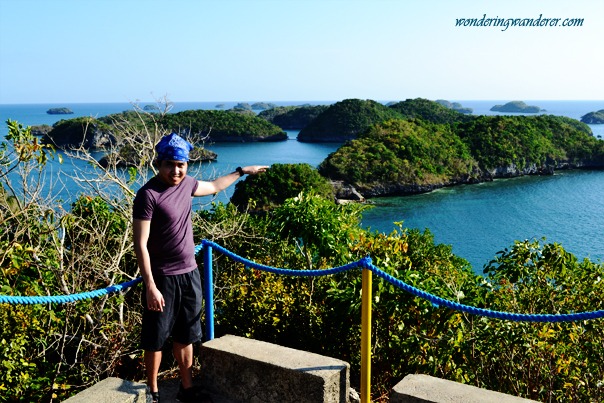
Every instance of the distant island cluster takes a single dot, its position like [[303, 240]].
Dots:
[[398, 148], [596, 117]]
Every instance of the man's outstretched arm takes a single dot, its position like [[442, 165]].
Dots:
[[206, 188]]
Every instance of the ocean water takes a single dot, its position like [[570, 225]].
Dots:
[[480, 220], [476, 220]]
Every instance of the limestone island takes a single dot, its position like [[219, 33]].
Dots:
[[456, 106], [263, 105], [151, 108], [594, 118], [59, 111], [517, 107]]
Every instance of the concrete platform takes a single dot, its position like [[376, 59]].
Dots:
[[111, 390], [253, 371], [419, 388]]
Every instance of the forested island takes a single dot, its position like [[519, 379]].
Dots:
[[407, 147], [456, 106], [59, 111], [400, 157], [199, 126], [516, 107], [292, 117], [594, 118]]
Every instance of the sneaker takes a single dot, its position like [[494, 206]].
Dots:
[[154, 397], [192, 394]]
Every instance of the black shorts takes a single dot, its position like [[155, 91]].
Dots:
[[181, 317]]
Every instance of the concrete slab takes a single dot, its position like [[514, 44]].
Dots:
[[253, 371], [418, 388], [112, 390]]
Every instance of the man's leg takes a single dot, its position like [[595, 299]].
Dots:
[[152, 363], [183, 353]]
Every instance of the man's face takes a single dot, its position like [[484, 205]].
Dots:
[[172, 172]]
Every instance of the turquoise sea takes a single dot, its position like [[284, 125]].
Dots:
[[476, 220]]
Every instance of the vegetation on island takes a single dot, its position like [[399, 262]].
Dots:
[[85, 132], [197, 125], [525, 141], [221, 126], [344, 120], [113, 133], [456, 106], [430, 111], [255, 106], [151, 108], [516, 107], [593, 118], [263, 105], [59, 111], [399, 157], [292, 117]]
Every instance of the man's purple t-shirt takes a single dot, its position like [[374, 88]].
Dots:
[[171, 245]]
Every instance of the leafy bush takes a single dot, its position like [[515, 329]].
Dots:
[[279, 183]]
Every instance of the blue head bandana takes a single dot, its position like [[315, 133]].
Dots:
[[174, 148]]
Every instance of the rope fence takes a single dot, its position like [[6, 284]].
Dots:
[[367, 263], [362, 263], [64, 299]]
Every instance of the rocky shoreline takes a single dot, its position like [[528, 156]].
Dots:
[[346, 192]]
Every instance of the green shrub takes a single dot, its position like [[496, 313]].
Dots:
[[277, 184]]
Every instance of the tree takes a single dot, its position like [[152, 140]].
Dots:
[[279, 183]]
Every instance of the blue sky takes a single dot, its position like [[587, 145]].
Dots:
[[54, 51]]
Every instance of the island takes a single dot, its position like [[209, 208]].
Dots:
[[345, 120], [59, 111], [292, 117], [400, 157], [456, 106], [517, 107], [263, 105], [243, 106], [151, 108], [594, 118], [199, 126]]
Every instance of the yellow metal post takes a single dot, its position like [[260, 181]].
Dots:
[[366, 337]]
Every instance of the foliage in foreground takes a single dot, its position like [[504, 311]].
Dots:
[[50, 351], [541, 361], [281, 182]]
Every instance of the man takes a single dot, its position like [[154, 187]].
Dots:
[[165, 252]]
